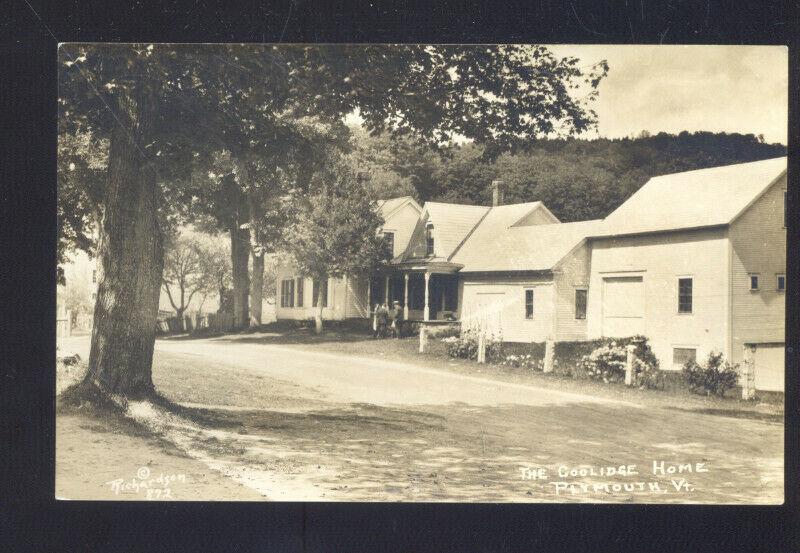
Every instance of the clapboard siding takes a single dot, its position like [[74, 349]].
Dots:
[[356, 301], [508, 295], [402, 223], [758, 245], [660, 259], [571, 274], [336, 297]]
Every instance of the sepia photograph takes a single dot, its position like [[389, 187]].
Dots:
[[496, 273]]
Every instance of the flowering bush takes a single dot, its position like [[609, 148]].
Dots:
[[716, 376], [607, 363], [465, 346], [523, 361]]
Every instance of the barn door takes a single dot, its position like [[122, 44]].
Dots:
[[623, 306]]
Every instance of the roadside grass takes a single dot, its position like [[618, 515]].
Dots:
[[353, 339]]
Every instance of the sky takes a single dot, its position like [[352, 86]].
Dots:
[[674, 88], [693, 88]]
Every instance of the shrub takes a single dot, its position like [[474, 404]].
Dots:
[[646, 368], [444, 331], [716, 376], [524, 361], [465, 346], [570, 354], [607, 362]]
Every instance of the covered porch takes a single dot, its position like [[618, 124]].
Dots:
[[427, 291]]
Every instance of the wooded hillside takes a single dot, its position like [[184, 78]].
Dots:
[[576, 179]]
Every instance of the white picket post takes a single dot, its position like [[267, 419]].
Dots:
[[748, 376], [481, 347], [629, 357], [423, 338], [549, 355]]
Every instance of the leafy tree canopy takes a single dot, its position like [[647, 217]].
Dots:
[[254, 100], [334, 231]]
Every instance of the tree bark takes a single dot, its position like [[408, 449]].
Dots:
[[240, 254], [132, 257], [257, 287], [318, 313]]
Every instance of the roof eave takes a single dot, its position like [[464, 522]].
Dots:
[[508, 272], [657, 231]]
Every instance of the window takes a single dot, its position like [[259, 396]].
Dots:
[[529, 304], [580, 304], [753, 282], [429, 240], [684, 295], [781, 283], [389, 237], [681, 356], [94, 276], [315, 290], [300, 292], [287, 293]]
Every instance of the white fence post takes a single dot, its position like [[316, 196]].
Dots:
[[549, 355], [423, 338], [629, 358], [481, 347], [748, 376]]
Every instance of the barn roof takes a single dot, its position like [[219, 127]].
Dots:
[[694, 199]]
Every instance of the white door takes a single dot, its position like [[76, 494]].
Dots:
[[623, 306], [769, 367]]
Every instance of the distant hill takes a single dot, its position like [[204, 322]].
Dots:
[[577, 179]]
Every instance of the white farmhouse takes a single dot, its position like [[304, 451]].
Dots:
[[346, 297], [695, 261]]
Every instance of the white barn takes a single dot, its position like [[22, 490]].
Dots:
[[696, 261]]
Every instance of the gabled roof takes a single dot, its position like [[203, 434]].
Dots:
[[495, 246], [451, 224], [389, 206], [694, 199], [455, 224]]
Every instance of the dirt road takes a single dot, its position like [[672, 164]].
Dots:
[[295, 423]]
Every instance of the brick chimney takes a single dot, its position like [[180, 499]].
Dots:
[[498, 188]]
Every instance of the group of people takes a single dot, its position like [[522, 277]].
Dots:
[[387, 322]]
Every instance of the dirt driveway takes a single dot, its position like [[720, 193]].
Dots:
[[292, 422]]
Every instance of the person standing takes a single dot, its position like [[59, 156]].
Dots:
[[397, 320], [383, 317], [375, 320]]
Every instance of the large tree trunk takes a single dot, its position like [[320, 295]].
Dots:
[[240, 254], [132, 257], [257, 287], [318, 312]]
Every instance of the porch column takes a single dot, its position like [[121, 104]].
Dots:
[[405, 298], [386, 290], [427, 313]]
